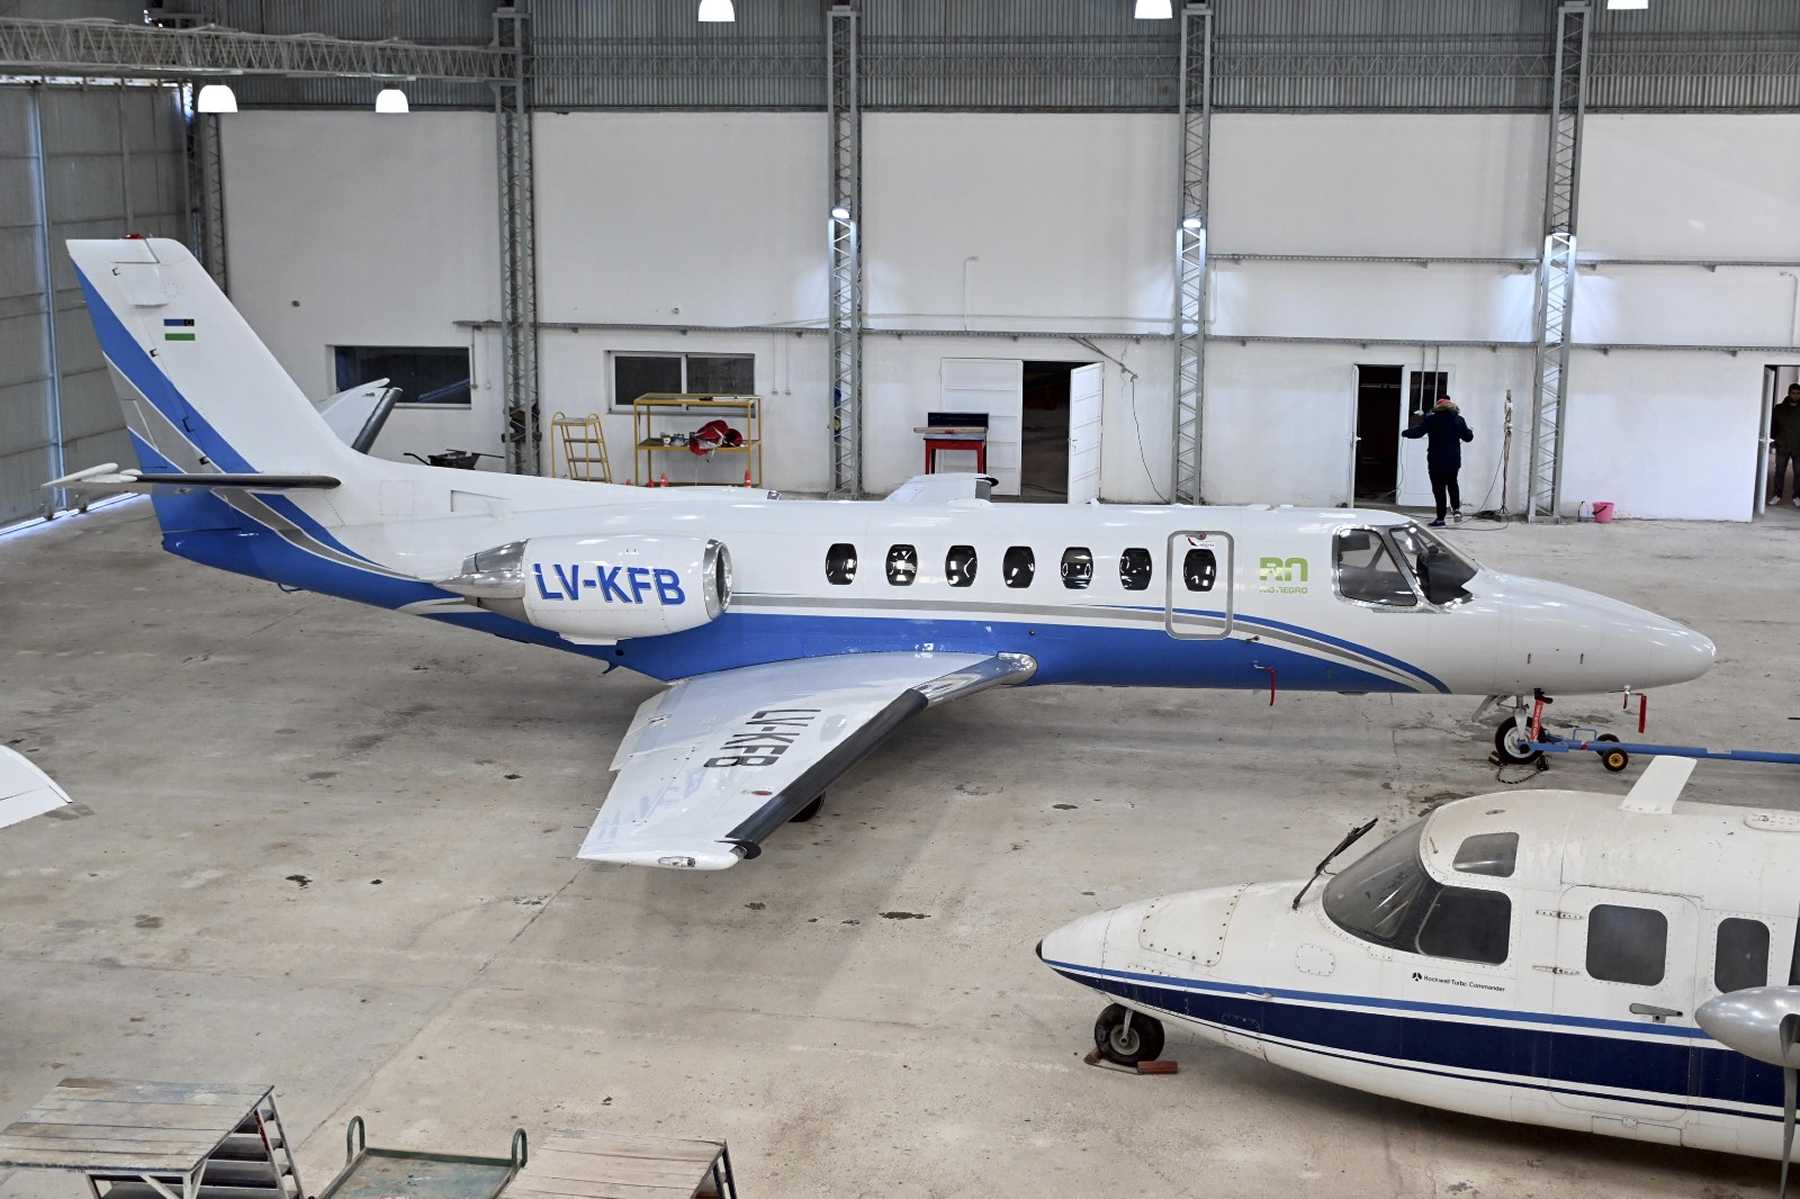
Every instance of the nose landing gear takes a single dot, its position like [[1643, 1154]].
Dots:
[[1514, 735], [1126, 1037]]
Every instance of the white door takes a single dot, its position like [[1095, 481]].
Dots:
[[1418, 392], [995, 386], [1759, 502], [1084, 433]]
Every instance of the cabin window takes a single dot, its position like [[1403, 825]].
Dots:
[[840, 564], [1135, 566], [902, 565], [1626, 944], [1199, 570], [959, 566], [1388, 897], [1367, 573], [1018, 567], [1469, 925], [1488, 853], [1077, 567], [1742, 956]]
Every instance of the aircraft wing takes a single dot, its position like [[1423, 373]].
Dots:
[[717, 762], [941, 489], [25, 791]]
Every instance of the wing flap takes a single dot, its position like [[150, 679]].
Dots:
[[715, 764]]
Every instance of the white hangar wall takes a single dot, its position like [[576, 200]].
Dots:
[[1004, 223]]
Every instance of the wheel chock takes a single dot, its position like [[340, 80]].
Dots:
[[1162, 1066]]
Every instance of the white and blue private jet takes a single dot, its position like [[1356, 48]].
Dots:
[[798, 634], [1550, 957]]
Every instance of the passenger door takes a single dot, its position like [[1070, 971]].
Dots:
[[1624, 990]]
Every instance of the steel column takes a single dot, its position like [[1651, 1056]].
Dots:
[[844, 309], [1189, 324], [46, 253], [1552, 327], [522, 433], [207, 178]]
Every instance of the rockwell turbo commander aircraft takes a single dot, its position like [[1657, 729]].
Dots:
[[798, 634]]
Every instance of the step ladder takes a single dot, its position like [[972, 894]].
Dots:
[[159, 1140], [583, 447]]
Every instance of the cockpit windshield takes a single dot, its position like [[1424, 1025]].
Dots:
[[1389, 898], [1441, 571]]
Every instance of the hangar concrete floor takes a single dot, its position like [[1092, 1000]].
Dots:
[[330, 848]]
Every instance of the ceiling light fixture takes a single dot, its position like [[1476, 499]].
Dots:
[[1627, 4], [215, 98], [391, 99], [840, 213], [717, 10], [1154, 10]]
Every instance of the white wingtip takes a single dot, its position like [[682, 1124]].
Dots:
[[25, 791]]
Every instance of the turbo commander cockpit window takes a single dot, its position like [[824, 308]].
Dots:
[[1388, 897]]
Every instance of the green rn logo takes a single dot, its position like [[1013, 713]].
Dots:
[[1278, 570]]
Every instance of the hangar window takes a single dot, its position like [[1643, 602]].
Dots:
[[1199, 570], [1488, 853], [1742, 956], [902, 565], [637, 375], [1388, 897], [1134, 569], [1018, 567], [1077, 567], [1367, 573], [840, 564], [424, 374], [959, 566], [1626, 945]]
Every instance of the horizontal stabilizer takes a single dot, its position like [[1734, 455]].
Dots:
[[110, 478], [25, 791], [1659, 786]]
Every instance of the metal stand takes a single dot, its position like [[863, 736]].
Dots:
[[844, 224], [523, 433], [1190, 251], [1555, 302]]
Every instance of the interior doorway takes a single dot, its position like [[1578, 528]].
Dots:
[[1777, 495], [1044, 453], [1376, 443]]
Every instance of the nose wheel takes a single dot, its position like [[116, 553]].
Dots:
[[1512, 744], [1127, 1037]]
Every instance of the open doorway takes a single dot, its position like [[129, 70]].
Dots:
[[1044, 453], [1377, 441], [1777, 469]]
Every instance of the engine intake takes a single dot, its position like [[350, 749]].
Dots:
[[602, 589]]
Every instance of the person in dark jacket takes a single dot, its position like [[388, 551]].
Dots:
[[1784, 435], [1444, 430]]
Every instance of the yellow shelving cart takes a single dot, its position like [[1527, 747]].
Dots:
[[661, 423]]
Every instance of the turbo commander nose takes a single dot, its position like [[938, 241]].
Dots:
[[1562, 637]]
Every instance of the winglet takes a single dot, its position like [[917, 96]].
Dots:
[[1659, 786]]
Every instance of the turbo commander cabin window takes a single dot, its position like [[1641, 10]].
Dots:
[[1741, 958], [1199, 570], [902, 565], [1626, 944], [1018, 567], [959, 566], [840, 564], [1135, 567], [1077, 567], [1367, 573], [1388, 897]]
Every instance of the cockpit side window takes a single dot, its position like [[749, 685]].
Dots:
[[1367, 573], [1440, 570], [1388, 897], [1741, 958], [1488, 853]]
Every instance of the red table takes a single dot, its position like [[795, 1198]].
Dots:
[[953, 437]]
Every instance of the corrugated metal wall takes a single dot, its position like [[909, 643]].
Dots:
[[74, 162], [1435, 55]]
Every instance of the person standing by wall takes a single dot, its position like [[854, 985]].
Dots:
[[1444, 430], [1784, 436]]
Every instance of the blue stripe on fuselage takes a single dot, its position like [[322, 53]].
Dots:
[[1554, 1052]]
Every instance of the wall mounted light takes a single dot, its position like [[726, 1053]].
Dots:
[[1154, 10], [391, 99], [1627, 4], [216, 97], [717, 10]]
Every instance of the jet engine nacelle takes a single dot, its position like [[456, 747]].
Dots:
[[601, 589]]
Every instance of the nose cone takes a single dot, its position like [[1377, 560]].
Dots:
[[1676, 653], [1589, 642], [1079, 943]]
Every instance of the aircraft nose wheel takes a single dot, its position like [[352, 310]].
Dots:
[[1127, 1037], [1509, 744]]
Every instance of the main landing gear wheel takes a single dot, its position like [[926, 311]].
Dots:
[[809, 811], [1614, 760], [1510, 741], [1127, 1042]]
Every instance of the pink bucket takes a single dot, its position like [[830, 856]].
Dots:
[[1603, 512]]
